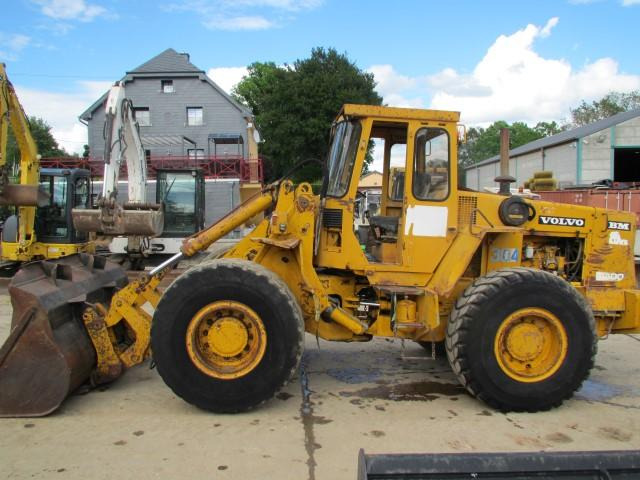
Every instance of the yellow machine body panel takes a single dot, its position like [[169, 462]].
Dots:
[[441, 238]]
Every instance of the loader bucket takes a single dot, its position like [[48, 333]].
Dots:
[[146, 220], [48, 353]]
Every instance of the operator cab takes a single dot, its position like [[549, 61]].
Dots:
[[67, 189], [182, 193], [417, 216]]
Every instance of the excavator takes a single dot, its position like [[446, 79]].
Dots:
[[41, 229], [519, 290], [54, 212], [137, 219]]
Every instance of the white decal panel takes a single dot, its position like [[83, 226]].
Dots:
[[616, 239], [425, 221], [609, 277]]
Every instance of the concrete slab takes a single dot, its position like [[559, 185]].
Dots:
[[377, 396]]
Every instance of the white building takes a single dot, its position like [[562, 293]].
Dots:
[[607, 149]]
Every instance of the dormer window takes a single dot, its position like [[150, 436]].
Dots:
[[167, 86]]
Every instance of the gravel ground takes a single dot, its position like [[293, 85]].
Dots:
[[380, 396]]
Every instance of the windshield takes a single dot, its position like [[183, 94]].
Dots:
[[176, 190], [342, 157]]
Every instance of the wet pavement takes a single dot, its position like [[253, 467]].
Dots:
[[380, 396]]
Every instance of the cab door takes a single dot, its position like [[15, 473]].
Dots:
[[429, 222]]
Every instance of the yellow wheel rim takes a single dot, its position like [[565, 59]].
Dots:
[[531, 345], [226, 340]]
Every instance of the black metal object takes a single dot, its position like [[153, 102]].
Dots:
[[597, 465], [332, 218]]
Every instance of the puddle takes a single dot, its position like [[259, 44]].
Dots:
[[354, 375], [598, 391], [414, 391]]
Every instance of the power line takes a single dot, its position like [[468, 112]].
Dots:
[[44, 75]]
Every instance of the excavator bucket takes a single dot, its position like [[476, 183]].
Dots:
[[128, 219], [48, 353]]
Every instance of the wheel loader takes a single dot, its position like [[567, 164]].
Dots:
[[519, 290]]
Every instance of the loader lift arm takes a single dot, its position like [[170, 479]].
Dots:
[[127, 304]]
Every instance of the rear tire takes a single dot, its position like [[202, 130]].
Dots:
[[227, 382], [521, 339]]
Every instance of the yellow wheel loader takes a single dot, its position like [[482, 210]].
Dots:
[[518, 289]]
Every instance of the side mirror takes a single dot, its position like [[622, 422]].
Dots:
[[462, 133]]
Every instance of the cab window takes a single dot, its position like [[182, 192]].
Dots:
[[342, 156], [431, 165]]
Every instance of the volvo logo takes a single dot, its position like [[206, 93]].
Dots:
[[561, 221]]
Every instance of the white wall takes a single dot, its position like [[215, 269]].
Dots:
[[596, 156], [628, 133]]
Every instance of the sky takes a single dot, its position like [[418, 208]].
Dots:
[[511, 60]]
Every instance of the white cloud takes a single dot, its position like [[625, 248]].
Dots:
[[511, 82], [629, 3], [61, 110], [70, 10], [227, 77], [12, 44], [290, 5], [238, 23], [546, 31], [389, 83], [242, 14]]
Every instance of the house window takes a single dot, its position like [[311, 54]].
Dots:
[[194, 116], [195, 153], [142, 116], [167, 86]]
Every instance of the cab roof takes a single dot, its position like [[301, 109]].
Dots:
[[352, 110]]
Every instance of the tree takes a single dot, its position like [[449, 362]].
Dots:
[[610, 104], [294, 106], [485, 143], [43, 138]]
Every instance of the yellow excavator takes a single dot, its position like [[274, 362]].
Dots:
[[41, 228], [519, 290]]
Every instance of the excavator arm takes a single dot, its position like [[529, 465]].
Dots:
[[25, 195], [136, 218]]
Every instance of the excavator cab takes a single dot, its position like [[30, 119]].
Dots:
[[67, 189], [182, 193], [55, 236]]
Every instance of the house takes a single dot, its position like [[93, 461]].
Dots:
[[370, 180], [606, 149], [185, 118], [181, 112]]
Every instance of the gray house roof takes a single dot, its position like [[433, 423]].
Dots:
[[168, 61], [171, 64], [564, 137]]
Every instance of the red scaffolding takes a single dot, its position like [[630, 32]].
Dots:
[[246, 170]]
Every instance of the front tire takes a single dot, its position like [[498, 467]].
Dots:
[[521, 339], [227, 335]]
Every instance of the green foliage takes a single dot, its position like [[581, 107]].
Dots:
[[41, 133], [483, 143], [295, 105], [612, 103]]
